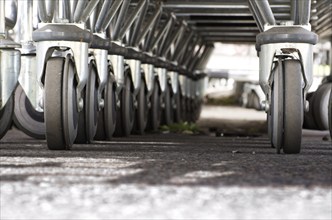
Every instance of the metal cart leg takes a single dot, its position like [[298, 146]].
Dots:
[[9, 72], [286, 50]]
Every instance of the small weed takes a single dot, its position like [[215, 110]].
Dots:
[[183, 127]]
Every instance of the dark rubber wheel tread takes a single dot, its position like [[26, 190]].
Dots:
[[293, 107], [269, 127], [177, 107], [287, 107], [107, 116], [6, 115], [167, 112], [142, 110], [88, 118], [277, 119], [69, 103], [320, 105], [93, 106], [81, 137], [184, 109], [155, 110], [125, 115], [198, 109], [330, 114], [26, 118], [309, 120], [61, 114]]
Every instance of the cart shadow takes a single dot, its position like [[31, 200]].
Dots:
[[185, 160]]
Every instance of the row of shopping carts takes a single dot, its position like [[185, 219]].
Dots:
[[74, 71]]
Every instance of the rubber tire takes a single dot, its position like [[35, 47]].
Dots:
[[188, 109], [177, 107], [61, 113], [198, 110], [81, 137], [277, 110], [142, 110], [184, 109], [309, 120], [107, 116], [269, 128], [26, 118], [93, 104], [320, 106], [125, 115], [192, 107], [88, 119], [167, 113], [330, 114], [155, 110], [287, 133], [6, 116]]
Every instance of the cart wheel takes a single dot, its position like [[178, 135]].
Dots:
[[142, 110], [320, 106], [269, 128], [61, 112], [188, 110], [26, 117], [287, 107], [269, 120], [88, 118], [177, 107], [309, 120], [276, 120], [155, 110], [184, 108], [125, 115], [167, 113], [81, 137], [330, 114], [6, 115], [191, 110], [198, 110], [192, 105], [107, 116]]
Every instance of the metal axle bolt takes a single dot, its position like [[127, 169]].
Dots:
[[266, 105], [101, 103], [80, 104], [306, 106]]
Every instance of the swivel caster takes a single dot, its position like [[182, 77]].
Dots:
[[318, 117], [6, 115], [142, 110], [330, 114], [155, 109], [107, 116], [88, 117], [287, 107], [309, 120], [167, 113], [320, 106], [26, 117], [126, 113], [61, 110], [177, 107]]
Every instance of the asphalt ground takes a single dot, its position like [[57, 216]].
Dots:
[[221, 173]]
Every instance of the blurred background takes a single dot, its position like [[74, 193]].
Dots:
[[233, 71]]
